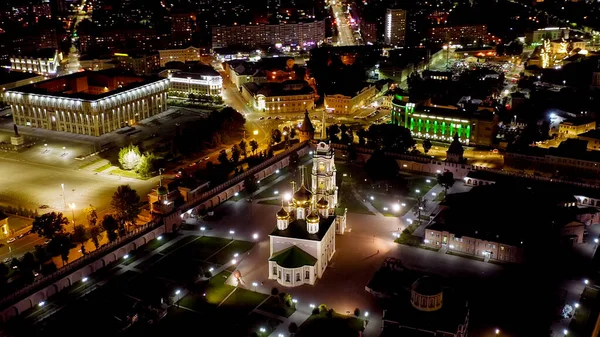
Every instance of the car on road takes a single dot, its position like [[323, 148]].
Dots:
[[21, 236], [6, 260], [47, 241], [269, 117], [262, 118], [11, 240], [206, 158], [44, 206]]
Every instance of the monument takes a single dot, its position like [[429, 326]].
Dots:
[[16, 140]]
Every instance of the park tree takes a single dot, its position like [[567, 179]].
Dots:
[[95, 235], [129, 157], [381, 167], [292, 133], [276, 135], [333, 133], [235, 153], [126, 204], [253, 145], [91, 215], [390, 137], [41, 254], [146, 165], [80, 236], [27, 266], [420, 206], [243, 147], [250, 185], [293, 328], [362, 137], [294, 161], [222, 158], [446, 180], [61, 246], [110, 225], [426, 145], [356, 312], [49, 225], [3, 272]]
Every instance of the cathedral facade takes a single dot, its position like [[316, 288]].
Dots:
[[303, 243]]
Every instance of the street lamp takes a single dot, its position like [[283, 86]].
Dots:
[[565, 332], [84, 279], [41, 304], [234, 261], [202, 229], [586, 281], [255, 236], [396, 207], [497, 332], [72, 205], [231, 232], [255, 132], [418, 191], [63, 194], [254, 284]]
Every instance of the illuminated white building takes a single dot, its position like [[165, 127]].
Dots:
[[287, 96], [303, 242], [88, 103], [42, 62], [395, 27], [189, 54], [205, 83]]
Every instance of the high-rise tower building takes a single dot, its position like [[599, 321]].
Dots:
[[395, 27]]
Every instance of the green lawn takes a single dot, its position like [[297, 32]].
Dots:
[[181, 243], [254, 322], [346, 199], [584, 319], [243, 300], [155, 243], [150, 262], [216, 290], [227, 253], [202, 248], [103, 168], [90, 163], [126, 174], [338, 325], [276, 307]]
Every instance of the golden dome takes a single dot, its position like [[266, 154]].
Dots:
[[322, 203], [313, 217], [302, 195], [283, 214]]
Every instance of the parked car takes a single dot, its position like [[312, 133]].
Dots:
[[11, 240], [44, 206], [21, 236]]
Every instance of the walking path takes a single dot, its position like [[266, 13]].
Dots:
[[367, 204], [430, 207]]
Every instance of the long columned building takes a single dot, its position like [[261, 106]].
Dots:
[[90, 103]]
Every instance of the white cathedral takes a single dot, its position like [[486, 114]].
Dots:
[[304, 241]]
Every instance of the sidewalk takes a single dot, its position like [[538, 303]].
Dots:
[[430, 207]]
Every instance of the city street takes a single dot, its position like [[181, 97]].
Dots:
[[345, 32]]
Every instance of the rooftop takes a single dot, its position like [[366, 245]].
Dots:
[[3, 216], [46, 53], [293, 257], [88, 85], [577, 121], [287, 88], [594, 134], [447, 319], [297, 230], [14, 76]]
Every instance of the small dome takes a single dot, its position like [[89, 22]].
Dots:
[[313, 217], [162, 190], [302, 195], [322, 203], [283, 214], [427, 286]]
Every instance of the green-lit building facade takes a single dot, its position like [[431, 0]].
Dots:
[[442, 124]]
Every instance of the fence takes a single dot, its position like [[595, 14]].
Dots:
[[46, 280], [432, 161]]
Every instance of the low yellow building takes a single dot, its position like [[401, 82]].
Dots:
[[348, 103], [288, 96], [571, 128], [189, 54], [4, 229]]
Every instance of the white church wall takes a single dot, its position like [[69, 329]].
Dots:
[[308, 246]]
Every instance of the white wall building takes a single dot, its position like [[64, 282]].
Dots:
[[43, 62], [196, 83], [89, 103], [304, 241], [189, 54]]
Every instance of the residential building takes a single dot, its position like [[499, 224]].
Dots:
[[303, 242], [458, 34], [395, 27], [182, 26], [572, 128], [189, 54], [138, 63], [124, 39], [288, 96], [199, 81], [276, 69], [592, 137], [548, 33], [89, 102], [350, 101], [566, 45], [42, 62], [472, 126], [368, 31], [304, 34]]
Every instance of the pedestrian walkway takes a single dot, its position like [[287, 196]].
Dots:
[[298, 317], [430, 207], [367, 204]]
